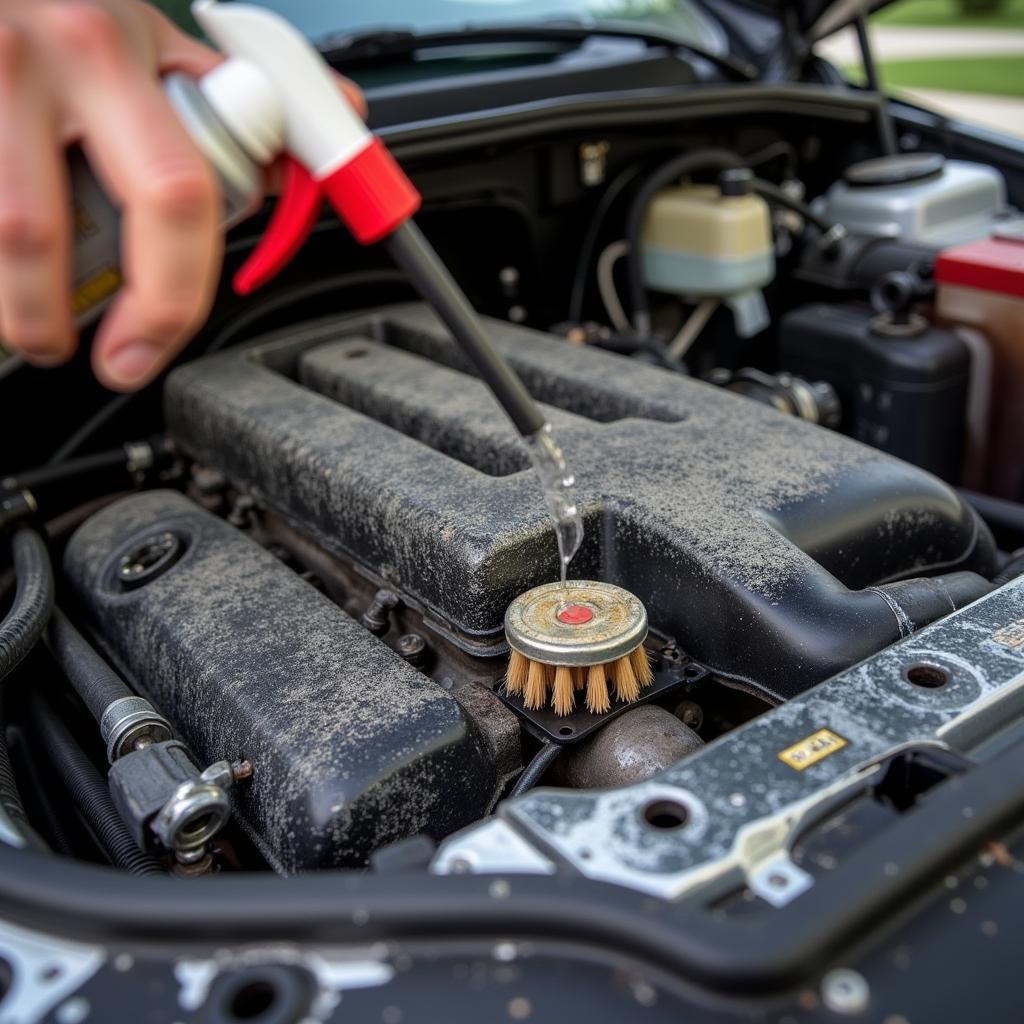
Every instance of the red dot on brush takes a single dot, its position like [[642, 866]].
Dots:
[[575, 615]]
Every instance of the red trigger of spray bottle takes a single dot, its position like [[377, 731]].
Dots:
[[276, 95]]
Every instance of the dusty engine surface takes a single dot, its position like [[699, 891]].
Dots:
[[773, 552], [760, 543]]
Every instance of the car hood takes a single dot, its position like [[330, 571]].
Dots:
[[813, 19]]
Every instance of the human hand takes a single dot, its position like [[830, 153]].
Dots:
[[88, 71]]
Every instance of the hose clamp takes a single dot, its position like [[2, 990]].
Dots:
[[129, 722]]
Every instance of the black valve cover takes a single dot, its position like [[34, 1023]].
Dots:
[[754, 539], [351, 748]]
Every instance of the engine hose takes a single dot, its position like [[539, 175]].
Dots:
[[19, 632], [780, 197], [33, 599], [1005, 518], [93, 679], [533, 772], [90, 795], [688, 163], [1013, 568], [10, 800]]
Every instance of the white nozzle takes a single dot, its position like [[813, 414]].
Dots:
[[320, 128], [247, 103]]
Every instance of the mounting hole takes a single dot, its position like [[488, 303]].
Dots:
[[252, 1001], [566, 730], [927, 675], [665, 815], [269, 994], [691, 671]]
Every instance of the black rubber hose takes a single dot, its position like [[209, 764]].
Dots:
[[688, 163], [10, 799], [19, 632], [1013, 568], [93, 679], [1005, 518], [773, 194], [90, 795], [533, 772], [33, 599], [926, 599], [42, 476]]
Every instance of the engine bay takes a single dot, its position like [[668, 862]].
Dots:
[[786, 374]]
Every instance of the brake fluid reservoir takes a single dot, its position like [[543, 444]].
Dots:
[[981, 285], [711, 241], [917, 197]]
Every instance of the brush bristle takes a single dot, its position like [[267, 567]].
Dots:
[[536, 690], [562, 696], [641, 667], [518, 670], [627, 688], [598, 701], [532, 680]]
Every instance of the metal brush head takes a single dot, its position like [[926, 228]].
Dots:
[[580, 622]]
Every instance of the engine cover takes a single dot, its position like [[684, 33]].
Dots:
[[351, 747], [755, 540]]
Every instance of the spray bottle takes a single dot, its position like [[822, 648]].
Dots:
[[275, 96]]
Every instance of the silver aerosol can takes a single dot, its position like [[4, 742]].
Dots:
[[97, 222]]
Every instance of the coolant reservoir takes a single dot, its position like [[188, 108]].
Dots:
[[981, 285], [701, 242]]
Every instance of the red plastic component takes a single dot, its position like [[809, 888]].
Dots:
[[290, 224], [994, 265], [575, 615], [371, 193]]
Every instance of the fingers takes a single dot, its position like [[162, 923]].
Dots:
[[354, 95], [171, 241], [177, 51], [35, 307]]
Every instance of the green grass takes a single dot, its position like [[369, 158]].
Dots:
[[947, 13], [996, 76]]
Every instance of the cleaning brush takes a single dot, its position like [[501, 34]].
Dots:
[[572, 637]]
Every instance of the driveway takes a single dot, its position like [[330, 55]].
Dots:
[[898, 42]]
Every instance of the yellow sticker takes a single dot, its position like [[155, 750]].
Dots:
[[85, 226], [1011, 636], [814, 748], [99, 287]]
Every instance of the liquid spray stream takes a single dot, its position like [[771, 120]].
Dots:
[[558, 485]]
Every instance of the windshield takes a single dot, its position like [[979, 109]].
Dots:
[[319, 19]]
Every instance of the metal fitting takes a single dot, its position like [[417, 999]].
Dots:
[[16, 506], [196, 811], [149, 559], [167, 801], [139, 459], [830, 240], [413, 648], [377, 617], [130, 723]]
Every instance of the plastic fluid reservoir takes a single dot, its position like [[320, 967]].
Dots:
[[917, 197], [903, 386], [981, 285], [706, 241]]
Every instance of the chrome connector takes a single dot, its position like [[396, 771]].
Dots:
[[130, 723]]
